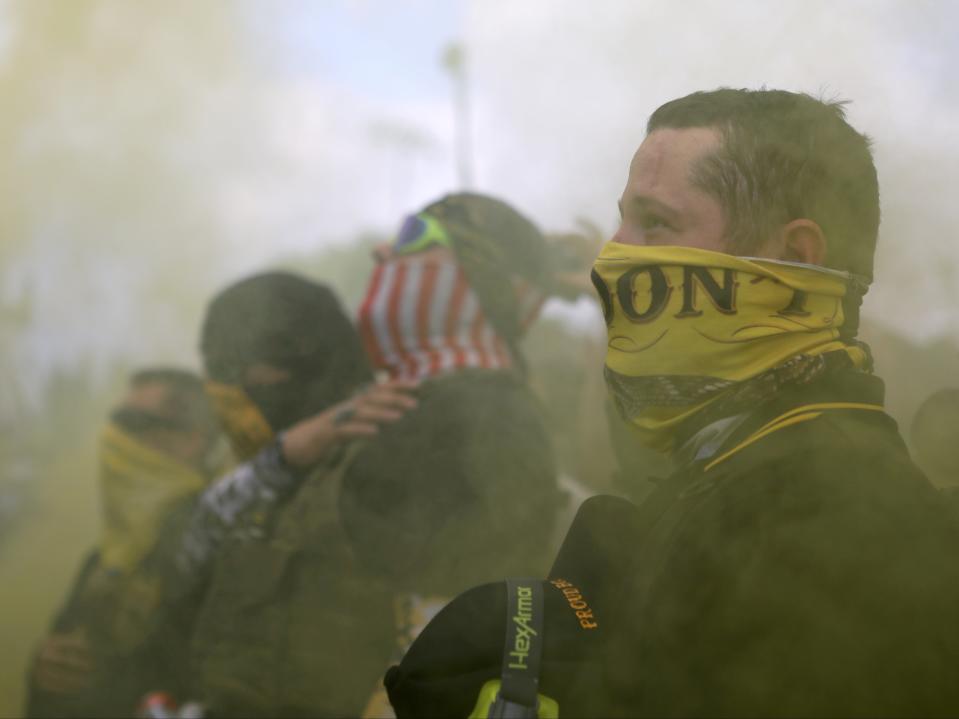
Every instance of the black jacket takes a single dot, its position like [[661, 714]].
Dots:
[[811, 572], [804, 567], [439, 500]]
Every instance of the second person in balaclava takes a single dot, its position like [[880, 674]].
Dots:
[[288, 624]]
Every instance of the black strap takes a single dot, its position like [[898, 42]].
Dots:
[[522, 650]]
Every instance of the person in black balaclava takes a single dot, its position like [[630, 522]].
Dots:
[[286, 344], [287, 624]]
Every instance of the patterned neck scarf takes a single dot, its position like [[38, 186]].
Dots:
[[422, 318], [695, 334]]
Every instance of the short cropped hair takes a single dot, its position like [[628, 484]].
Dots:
[[785, 156]]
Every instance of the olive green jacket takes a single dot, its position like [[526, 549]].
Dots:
[[289, 624]]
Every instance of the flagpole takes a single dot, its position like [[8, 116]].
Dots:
[[454, 61]]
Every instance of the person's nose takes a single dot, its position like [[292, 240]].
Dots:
[[626, 237]]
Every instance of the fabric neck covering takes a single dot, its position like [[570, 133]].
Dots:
[[241, 419], [494, 245], [688, 327], [421, 318], [139, 487]]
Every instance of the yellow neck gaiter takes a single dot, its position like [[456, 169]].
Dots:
[[139, 487], [686, 326], [242, 421]]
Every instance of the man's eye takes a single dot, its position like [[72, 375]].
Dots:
[[653, 222]]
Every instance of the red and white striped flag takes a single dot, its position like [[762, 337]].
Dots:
[[421, 318]]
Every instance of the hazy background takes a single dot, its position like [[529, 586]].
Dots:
[[153, 151]]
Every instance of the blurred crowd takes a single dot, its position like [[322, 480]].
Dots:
[[275, 532], [278, 532]]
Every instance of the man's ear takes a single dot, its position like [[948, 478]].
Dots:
[[803, 241]]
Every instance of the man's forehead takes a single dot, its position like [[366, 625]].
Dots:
[[660, 173], [670, 150]]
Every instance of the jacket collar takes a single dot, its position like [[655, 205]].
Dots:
[[847, 385]]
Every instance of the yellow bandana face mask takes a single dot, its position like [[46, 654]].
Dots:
[[686, 326], [139, 487], [243, 423]]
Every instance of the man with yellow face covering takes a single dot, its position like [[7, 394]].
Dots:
[[287, 622], [115, 639], [797, 562]]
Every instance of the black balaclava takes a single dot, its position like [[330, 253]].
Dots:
[[290, 322]]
